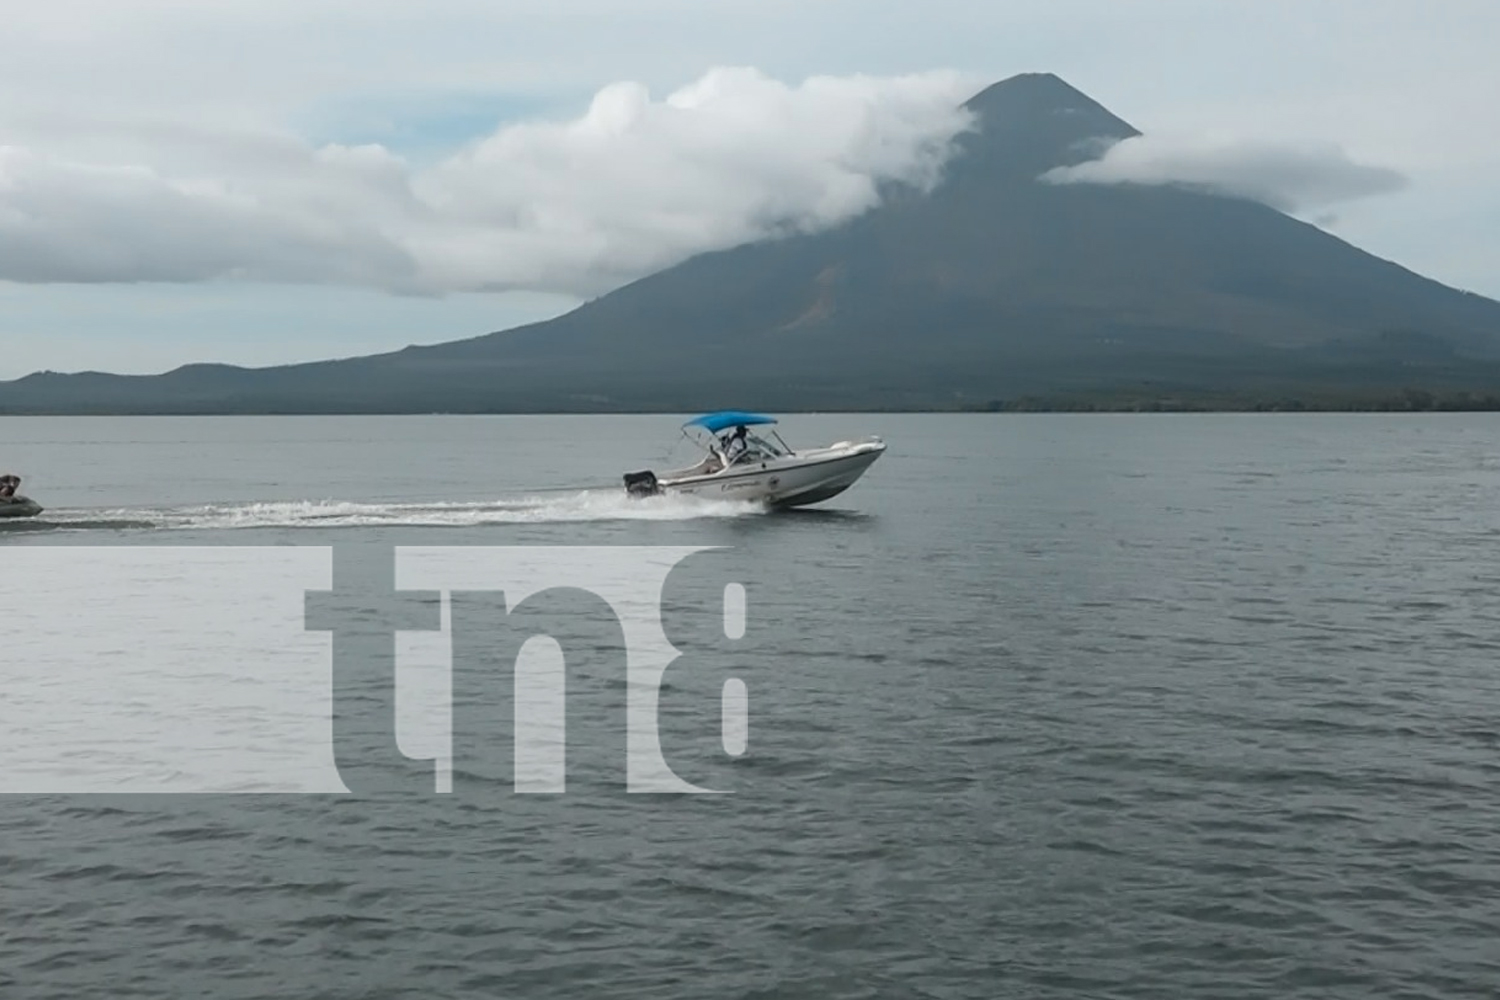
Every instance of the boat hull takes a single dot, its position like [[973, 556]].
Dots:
[[18, 507], [804, 479]]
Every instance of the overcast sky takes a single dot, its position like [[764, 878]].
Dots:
[[262, 181]]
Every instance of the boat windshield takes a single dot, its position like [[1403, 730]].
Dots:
[[757, 449]]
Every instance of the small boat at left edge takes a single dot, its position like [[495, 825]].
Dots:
[[12, 504]]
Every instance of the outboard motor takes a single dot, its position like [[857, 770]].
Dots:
[[641, 484]]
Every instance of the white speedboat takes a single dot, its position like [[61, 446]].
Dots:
[[744, 465], [11, 503]]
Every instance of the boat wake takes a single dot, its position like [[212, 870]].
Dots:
[[585, 506], [79, 522]]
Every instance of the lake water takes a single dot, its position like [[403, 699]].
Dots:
[[1046, 706]]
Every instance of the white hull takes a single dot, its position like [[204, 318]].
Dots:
[[788, 481]]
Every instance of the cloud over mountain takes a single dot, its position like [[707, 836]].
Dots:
[[1292, 177], [633, 185]]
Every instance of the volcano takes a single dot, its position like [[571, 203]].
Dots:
[[991, 288]]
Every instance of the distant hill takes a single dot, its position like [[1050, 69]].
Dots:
[[995, 290]]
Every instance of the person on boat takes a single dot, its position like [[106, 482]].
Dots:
[[8, 487], [735, 443]]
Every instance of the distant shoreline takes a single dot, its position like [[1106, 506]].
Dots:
[[1406, 401]]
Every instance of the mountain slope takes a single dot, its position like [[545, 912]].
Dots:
[[993, 285]]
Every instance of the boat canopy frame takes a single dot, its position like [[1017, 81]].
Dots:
[[722, 420]]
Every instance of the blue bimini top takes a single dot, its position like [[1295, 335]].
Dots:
[[715, 422]]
